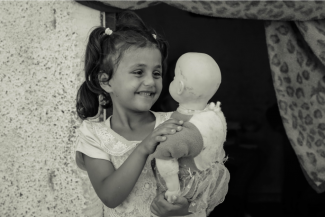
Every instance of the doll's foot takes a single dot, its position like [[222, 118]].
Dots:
[[171, 196]]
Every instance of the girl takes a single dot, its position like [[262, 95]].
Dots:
[[125, 69]]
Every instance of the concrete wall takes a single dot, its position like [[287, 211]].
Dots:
[[41, 52]]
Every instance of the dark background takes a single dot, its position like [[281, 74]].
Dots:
[[266, 179]]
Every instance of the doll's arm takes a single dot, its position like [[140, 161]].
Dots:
[[168, 169]]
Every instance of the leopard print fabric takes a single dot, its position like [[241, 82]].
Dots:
[[297, 59], [262, 10]]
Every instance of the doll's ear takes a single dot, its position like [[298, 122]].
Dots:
[[181, 87], [104, 83]]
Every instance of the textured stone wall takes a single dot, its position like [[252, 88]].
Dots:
[[41, 49]]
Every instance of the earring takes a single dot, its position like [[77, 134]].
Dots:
[[102, 100]]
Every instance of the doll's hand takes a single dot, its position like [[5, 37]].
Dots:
[[213, 107], [162, 208], [169, 127], [171, 196]]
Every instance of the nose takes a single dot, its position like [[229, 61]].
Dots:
[[148, 80]]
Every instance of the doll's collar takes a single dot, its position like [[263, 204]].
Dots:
[[186, 111]]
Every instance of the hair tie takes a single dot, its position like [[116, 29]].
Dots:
[[108, 31], [154, 36]]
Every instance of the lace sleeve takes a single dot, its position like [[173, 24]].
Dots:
[[89, 144]]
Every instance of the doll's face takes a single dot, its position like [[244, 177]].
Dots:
[[197, 78], [175, 84]]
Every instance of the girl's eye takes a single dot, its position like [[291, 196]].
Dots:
[[157, 74], [138, 72]]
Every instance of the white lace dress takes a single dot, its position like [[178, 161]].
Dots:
[[98, 140]]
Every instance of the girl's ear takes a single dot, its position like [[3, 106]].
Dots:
[[181, 87], [103, 77]]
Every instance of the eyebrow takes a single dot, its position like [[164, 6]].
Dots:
[[143, 65]]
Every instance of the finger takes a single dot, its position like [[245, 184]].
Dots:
[[160, 138], [162, 202], [154, 209], [174, 121], [171, 130], [180, 200], [165, 131], [179, 128], [172, 126]]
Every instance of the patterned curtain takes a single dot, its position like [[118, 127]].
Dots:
[[295, 37]]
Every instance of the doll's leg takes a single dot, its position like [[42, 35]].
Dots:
[[168, 169]]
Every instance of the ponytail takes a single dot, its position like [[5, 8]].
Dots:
[[87, 102], [96, 52]]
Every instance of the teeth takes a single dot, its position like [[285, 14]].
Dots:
[[145, 94]]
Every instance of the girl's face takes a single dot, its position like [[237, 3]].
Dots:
[[137, 82]]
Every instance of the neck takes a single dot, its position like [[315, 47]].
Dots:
[[190, 109], [130, 119]]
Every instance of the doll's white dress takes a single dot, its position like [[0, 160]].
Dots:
[[98, 140], [205, 184]]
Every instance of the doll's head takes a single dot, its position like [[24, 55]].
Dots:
[[197, 79]]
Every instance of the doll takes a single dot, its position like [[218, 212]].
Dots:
[[190, 162]]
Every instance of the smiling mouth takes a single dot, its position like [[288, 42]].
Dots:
[[146, 94]]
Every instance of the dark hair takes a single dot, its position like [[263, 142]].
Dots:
[[130, 32]]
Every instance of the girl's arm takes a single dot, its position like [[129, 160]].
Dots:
[[113, 186]]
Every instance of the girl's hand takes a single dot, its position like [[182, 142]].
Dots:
[[162, 207], [169, 127]]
